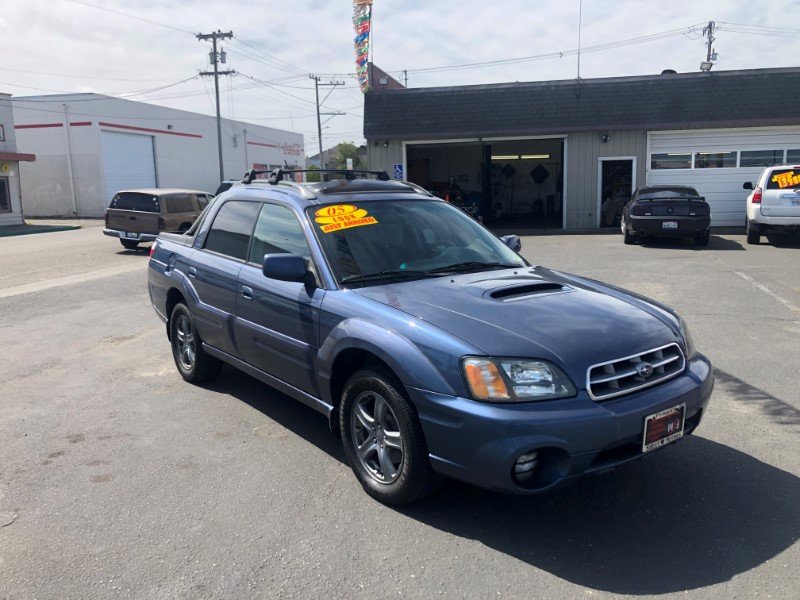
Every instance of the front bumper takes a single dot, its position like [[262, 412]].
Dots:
[[478, 442], [124, 235], [687, 226]]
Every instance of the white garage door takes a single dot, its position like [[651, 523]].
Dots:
[[128, 162], [718, 161]]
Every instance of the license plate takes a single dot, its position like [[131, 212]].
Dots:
[[669, 224], [795, 202], [663, 427], [130, 235]]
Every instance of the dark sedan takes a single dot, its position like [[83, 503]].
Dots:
[[666, 211]]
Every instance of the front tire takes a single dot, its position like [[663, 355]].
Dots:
[[753, 235], [383, 439], [194, 364]]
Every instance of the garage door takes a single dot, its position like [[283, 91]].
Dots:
[[717, 162], [128, 162]]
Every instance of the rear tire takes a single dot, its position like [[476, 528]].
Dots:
[[129, 244], [753, 235], [194, 364], [702, 239], [629, 239], [383, 439]]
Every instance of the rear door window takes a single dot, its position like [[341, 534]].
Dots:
[[179, 203], [232, 227], [136, 201], [783, 179]]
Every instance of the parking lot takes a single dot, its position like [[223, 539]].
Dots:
[[118, 479]]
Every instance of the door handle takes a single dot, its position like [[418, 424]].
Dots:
[[192, 272], [247, 292]]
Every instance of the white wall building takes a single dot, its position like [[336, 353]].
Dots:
[[10, 205], [89, 146]]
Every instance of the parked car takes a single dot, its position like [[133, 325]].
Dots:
[[774, 202], [658, 211], [136, 216], [429, 344]]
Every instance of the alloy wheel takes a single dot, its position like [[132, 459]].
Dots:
[[376, 437], [185, 342]]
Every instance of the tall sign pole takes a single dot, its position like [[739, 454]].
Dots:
[[216, 58]]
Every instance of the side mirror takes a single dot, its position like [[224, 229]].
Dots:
[[285, 267], [747, 185], [512, 241], [702, 198]]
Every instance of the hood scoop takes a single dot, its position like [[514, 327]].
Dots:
[[527, 290]]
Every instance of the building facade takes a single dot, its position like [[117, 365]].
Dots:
[[89, 146], [10, 159], [568, 154]]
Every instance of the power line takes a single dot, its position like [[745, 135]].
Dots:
[[130, 16], [122, 95]]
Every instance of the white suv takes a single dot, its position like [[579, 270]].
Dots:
[[774, 203]]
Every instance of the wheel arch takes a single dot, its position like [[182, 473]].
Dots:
[[174, 296]]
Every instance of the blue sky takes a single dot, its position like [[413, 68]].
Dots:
[[66, 45]]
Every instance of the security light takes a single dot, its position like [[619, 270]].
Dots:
[[706, 65]]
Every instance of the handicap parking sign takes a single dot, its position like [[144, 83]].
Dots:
[[398, 171]]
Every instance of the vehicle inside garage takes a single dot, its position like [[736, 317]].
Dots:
[[516, 183]]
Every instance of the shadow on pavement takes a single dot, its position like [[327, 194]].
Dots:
[[715, 243], [693, 515], [776, 409], [784, 240]]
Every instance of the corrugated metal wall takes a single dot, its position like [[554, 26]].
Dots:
[[583, 151], [384, 154]]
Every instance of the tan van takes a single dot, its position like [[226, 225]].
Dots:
[[136, 216]]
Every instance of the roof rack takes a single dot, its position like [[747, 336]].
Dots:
[[276, 175]]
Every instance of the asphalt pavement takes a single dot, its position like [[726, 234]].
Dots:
[[119, 480]]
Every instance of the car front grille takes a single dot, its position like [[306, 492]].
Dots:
[[631, 373]]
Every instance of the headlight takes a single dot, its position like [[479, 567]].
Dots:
[[515, 380], [687, 338]]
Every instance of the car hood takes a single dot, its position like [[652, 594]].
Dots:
[[535, 312]]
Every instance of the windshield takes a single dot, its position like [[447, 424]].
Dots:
[[665, 193], [374, 240], [136, 201], [782, 179]]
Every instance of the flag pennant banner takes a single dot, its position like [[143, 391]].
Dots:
[[362, 23]]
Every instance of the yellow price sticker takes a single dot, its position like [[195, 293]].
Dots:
[[342, 216]]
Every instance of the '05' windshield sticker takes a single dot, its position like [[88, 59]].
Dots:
[[786, 179], [342, 216]]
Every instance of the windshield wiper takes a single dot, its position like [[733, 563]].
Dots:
[[473, 265], [384, 275]]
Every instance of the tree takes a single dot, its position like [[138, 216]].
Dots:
[[344, 151]]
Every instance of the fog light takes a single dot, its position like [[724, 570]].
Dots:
[[525, 466]]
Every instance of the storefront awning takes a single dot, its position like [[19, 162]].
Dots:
[[16, 157]]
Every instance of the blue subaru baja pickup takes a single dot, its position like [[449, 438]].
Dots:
[[430, 345]]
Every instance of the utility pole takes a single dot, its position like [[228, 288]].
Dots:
[[708, 31], [216, 58], [333, 85]]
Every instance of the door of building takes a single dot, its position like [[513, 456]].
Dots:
[[617, 180], [128, 162]]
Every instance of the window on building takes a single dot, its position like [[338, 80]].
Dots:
[[671, 161], [760, 158], [277, 231], [5, 195], [179, 203], [714, 160], [793, 157], [230, 232]]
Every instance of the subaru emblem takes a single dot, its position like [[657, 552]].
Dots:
[[644, 370]]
